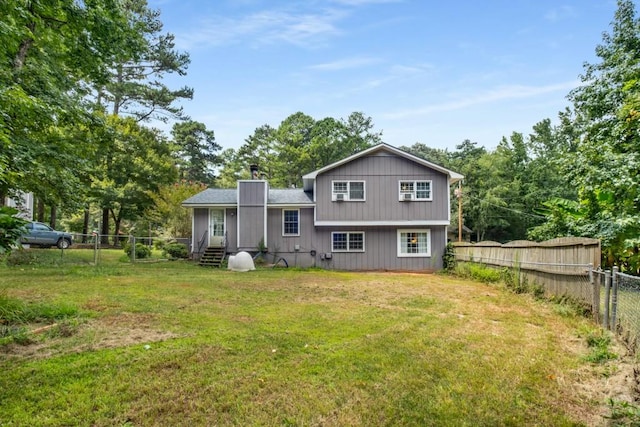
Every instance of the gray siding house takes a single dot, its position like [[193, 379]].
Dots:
[[379, 209]]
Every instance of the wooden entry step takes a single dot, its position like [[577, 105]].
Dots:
[[213, 257]]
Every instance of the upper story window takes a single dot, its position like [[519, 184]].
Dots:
[[347, 191], [290, 222], [415, 190]]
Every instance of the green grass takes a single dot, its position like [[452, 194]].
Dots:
[[172, 343]]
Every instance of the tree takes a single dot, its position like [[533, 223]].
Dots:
[[293, 140], [51, 52], [134, 86], [196, 151], [299, 145], [167, 211], [358, 133], [434, 155], [605, 165], [136, 161]]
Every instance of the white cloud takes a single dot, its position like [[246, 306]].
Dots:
[[560, 13], [364, 2], [343, 64], [265, 27], [498, 94]]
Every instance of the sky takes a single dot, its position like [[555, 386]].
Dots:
[[434, 72]]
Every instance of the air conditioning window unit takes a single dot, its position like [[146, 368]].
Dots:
[[407, 196], [340, 197]]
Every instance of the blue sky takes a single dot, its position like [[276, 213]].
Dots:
[[435, 72]]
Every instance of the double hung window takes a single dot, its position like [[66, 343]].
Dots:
[[414, 243], [347, 241], [290, 222], [415, 190], [347, 191]]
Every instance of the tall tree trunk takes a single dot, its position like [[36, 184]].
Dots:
[[40, 214], [54, 217], [117, 219], [105, 226], [85, 225]]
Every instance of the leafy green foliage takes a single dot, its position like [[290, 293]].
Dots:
[[196, 151], [166, 210], [134, 162], [600, 154], [176, 250], [52, 52], [449, 258], [11, 228], [142, 250], [299, 145]]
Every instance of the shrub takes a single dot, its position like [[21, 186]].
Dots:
[[159, 244], [176, 250], [142, 251], [21, 257], [449, 258]]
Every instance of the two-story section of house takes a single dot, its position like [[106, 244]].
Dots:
[[379, 209]]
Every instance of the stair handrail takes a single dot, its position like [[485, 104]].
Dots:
[[201, 241]]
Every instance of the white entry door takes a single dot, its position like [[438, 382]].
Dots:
[[216, 227]]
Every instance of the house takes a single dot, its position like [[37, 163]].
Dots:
[[379, 209], [453, 233], [23, 202]]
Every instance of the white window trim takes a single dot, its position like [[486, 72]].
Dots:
[[348, 195], [348, 233], [419, 255], [283, 228], [414, 194]]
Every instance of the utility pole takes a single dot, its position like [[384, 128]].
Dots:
[[458, 193]]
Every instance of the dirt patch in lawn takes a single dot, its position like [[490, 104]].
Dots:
[[613, 381], [122, 330]]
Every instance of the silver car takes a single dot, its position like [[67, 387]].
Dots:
[[39, 234]]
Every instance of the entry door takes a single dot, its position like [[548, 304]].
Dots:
[[216, 227]]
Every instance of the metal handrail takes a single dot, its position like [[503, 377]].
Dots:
[[201, 241]]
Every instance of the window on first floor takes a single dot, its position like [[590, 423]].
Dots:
[[414, 243], [415, 190], [347, 241], [290, 222], [348, 191]]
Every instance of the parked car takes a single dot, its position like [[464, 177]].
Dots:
[[39, 234]]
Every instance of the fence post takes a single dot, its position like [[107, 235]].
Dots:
[[614, 298], [96, 237], [607, 294], [596, 294], [132, 239]]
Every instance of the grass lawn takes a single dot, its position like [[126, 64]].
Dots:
[[171, 343]]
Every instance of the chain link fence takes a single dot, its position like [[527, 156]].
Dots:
[[95, 243], [620, 305]]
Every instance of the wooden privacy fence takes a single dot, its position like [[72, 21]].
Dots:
[[561, 266]]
